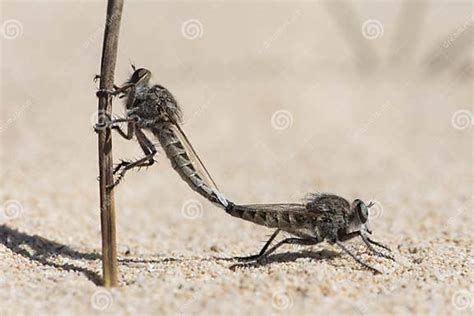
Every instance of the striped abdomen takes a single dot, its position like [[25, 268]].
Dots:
[[179, 152], [292, 218]]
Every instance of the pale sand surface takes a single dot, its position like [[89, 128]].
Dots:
[[380, 128]]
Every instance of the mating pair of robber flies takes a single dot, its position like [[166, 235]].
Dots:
[[322, 217]]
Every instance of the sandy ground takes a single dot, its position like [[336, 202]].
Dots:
[[292, 100]]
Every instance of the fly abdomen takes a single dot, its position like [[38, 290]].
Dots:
[[180, 161], [257, 217], [260, 217]]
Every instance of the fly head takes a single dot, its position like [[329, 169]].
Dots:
[[140, 76], [360, 216]]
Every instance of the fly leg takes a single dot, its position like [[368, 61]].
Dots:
[[130, 130], [378, 244], [106, 121], [148, 148], [369, 243], [348, 236], [258, 259], [291, 241], [265, 247], [350, 253], [117, 89]]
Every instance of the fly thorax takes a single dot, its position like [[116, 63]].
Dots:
[[135, 96], [141, 91], [354, 223]]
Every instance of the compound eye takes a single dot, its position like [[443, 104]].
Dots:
[[138, 75], [142, 73], [363, 212]]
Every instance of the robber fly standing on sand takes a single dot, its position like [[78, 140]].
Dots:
[[323, 217]]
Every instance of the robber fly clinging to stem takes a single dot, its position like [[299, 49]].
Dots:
[[153, 108]]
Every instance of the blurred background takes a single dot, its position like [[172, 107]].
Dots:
[[365, 99]]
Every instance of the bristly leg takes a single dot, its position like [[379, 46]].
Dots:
[[349, 236], [128, 135], [368, 242], [265, 247], [260, 258], [365, 265], [128, 165], [264, 253], [117, 89], [114, 124], [131, 123], [378, 244], [290, 241], [148, 148]]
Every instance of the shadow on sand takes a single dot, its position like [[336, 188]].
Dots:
[[287, 257], [44, 251]]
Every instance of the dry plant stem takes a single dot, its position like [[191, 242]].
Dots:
[[107, 203]]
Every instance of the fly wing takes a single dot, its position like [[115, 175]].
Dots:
[[166, 102], [273, 208], [284, 216], [196, 161]]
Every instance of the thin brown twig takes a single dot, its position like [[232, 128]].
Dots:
[[107, 203]]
